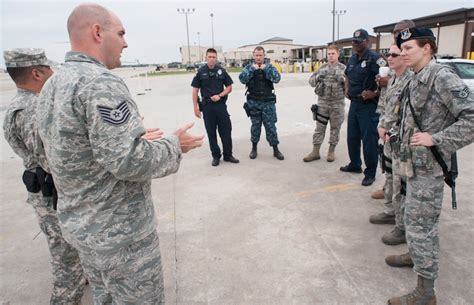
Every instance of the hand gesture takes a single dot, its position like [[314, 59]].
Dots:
[[186, 140], [152, 134]]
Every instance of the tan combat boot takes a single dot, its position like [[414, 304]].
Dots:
[[422, 295], [403, 260], [378, 194], [331, 155], [314, 155]]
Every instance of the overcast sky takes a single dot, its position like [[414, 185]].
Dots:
[[155, 30]]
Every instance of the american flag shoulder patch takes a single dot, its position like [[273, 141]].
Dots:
[[115, 116]]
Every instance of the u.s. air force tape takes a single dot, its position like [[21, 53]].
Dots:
[[115, 116]]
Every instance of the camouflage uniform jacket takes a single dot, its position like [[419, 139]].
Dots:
[[271, 73], [383, 93], [329, 81], [446, 111], [92, 134], [19, 128], [390, 114]]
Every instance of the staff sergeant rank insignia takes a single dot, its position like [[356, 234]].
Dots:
[[115, 116]]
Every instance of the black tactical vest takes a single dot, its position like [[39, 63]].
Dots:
[[260, 88]]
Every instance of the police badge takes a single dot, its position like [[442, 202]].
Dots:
[[405, 34], [356, 33], [219, 71], [363, 64], [381, 62]]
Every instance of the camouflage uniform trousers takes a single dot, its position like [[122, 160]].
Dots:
[[422, 210], [131, 276], [68, 276], [263, 112], [334, 110], [392, 187]]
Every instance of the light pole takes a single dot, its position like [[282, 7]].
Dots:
[[212, 29], [339, 13], [333, 19], [199, 46], [186, 12]]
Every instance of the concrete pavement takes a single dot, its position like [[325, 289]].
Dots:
[[260, 232]]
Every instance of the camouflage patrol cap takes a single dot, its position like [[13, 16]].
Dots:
[[25, 57], [414, 33]]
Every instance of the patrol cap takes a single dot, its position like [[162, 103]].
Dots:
[[25, 57], [414, 33], [360, 35]]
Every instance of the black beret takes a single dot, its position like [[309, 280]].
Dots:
[[414, 33]]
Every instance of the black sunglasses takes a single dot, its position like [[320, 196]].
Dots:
[[394, 55]]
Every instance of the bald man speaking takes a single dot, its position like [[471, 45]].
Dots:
[[92, 135]]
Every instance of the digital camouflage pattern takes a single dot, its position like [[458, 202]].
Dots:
[[446, 111], [262, 111], [390, 112], [131, 280], [20, 131], [92, 133], [25, 57], [329, 83]]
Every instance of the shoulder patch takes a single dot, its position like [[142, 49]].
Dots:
[[115, 116], [464, 93]]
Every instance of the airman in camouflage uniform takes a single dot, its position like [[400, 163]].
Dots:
[[389, 106], [444, 111], [329, 86], [30, 69], [92, 134], [259, 79]]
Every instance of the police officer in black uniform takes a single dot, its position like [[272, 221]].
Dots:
[[362, 120], [211, 79]]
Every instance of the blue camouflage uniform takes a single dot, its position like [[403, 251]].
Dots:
[[362, 119], [211, 82], [262, 109]]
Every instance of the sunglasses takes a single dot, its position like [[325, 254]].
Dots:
[[394, 55]]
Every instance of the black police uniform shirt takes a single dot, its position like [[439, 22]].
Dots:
[[361, 72], [211, 81]]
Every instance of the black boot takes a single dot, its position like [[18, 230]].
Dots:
[[277, 154], [253, 153]]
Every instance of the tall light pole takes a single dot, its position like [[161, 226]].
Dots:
[[186, 12], [199, 46], [339, 13], [333, 20], [212, 29]]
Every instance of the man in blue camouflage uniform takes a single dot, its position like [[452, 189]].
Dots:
[[438, 112], [30, 69], [362, 120], [260, 106], [92, 134]]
